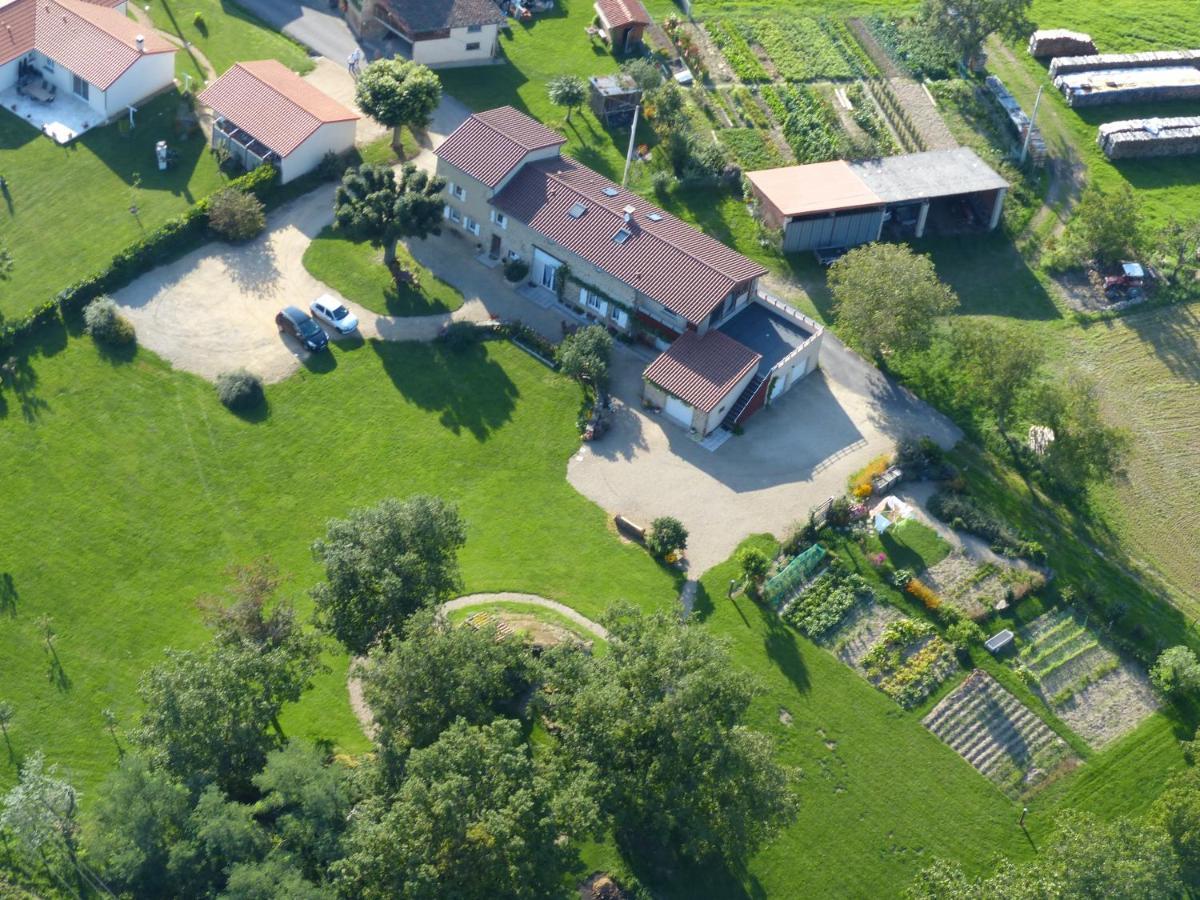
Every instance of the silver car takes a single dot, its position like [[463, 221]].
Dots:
[[334, 314]]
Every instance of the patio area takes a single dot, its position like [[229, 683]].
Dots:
[[766, 331], [63, 119]]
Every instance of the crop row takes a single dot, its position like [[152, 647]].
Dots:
[[738, 54], [896, 114], [753, 149], [808, 124]]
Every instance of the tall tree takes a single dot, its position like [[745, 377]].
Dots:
[[660, 717], [437, 674], [476, 817], [306, 803], [384, 563], [568, 91], [1106, 227], [220, 834], [886, 298], [1087, 858], [1085, 447], [395, 92], [139, 816], [373, 204], [1177, 810], [996, 364], [211, 715], [585, 355], [965, 24], [1176, 670]]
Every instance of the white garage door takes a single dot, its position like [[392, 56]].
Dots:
[[679, 412]]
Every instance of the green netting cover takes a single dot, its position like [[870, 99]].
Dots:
[[797, 571]]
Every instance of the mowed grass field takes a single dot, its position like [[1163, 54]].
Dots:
[[225, 34], [66, 210], [1147, 365], [129, 491]]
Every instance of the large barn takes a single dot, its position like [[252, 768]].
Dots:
[[840, 204]]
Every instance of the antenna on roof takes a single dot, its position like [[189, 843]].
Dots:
[[632, 137]]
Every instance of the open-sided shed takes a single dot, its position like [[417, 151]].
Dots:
[[842, 204]]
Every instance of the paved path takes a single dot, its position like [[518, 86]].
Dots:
[[533, 600]]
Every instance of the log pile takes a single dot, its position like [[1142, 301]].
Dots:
[[1145, 138], [1066, 65], [1018, 119], [1060, 42]]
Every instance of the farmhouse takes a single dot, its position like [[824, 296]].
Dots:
[[612, 258], [834, 205], [432, 32], [69, 65], [622, 22], [265, 112]]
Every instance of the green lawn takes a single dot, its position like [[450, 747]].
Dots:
[[226, 34], [129, 490], [355, 269], [66, 210], [913, 545], [530, 610]]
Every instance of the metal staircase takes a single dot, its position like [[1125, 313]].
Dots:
[[743, 401]]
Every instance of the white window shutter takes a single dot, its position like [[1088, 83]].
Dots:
[[583, 296]]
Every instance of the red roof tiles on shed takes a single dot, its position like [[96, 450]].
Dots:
[[273, 103], [686, 271], [489, 145], [91, 40], [702, 371], [623, 12]]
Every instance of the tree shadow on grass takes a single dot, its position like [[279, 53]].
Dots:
[[8, 594], [671, 876], [470, 389], [19, 379], [782, 648]]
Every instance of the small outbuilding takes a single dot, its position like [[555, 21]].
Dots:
[[265, 112], [623, 23], [431, 32], [840, 204], [614, 99]]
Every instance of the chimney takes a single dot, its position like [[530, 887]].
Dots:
[[141, 44], [629, 211]]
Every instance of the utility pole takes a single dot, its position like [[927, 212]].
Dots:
[[632, 139], [1032, 124]]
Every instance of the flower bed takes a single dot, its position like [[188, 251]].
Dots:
[[909, 661]]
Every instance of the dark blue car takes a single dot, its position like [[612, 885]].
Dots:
[[302, 327]]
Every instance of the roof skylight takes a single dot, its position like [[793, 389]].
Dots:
[[610, 192], [622, 236], [654, 217], [577, 211]]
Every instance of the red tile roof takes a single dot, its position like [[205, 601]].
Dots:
[[273, 103], [91, 40], [702, 371], [623, 12], [432, 16], [669, 261], [489, 145]]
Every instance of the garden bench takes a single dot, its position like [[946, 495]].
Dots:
[[629, 529]]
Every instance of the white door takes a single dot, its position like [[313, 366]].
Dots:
[[545, 266], [679, 412], [799, 371], [778, 386]]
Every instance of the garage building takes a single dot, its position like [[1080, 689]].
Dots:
[[840, 204], [265, 112]]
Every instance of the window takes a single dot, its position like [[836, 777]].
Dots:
[[47, 64], [620, 316], [610, 192], [500, 218], [456, 191], [474, 29], [452, 214], [79, 86], [471, 225], [654, 217], [473, 45], [592, 301], [622, 236], [577, 211]]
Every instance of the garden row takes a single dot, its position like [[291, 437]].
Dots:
[[800, 50]]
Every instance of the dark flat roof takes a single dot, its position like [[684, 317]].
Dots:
[[765, 332]]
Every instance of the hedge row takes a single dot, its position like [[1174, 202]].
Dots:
[[169, 241]]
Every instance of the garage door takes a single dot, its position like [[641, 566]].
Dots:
[[679, 412]]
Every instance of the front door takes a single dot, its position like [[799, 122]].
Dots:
[[495, 251], [545, 267]]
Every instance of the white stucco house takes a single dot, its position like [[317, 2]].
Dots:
[[265, 112], [432, 32], [69, 65]]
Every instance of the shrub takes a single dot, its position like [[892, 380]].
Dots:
[[901, 578], [236, 215], [962, 512], [585, 355], [754, 564], [107, 326], [924, 593], [461, 335], [964, 634], [661, 181], [332, 167], [515, 270], [1176, 670], [198, 21], [240, 390], [667, 536]]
